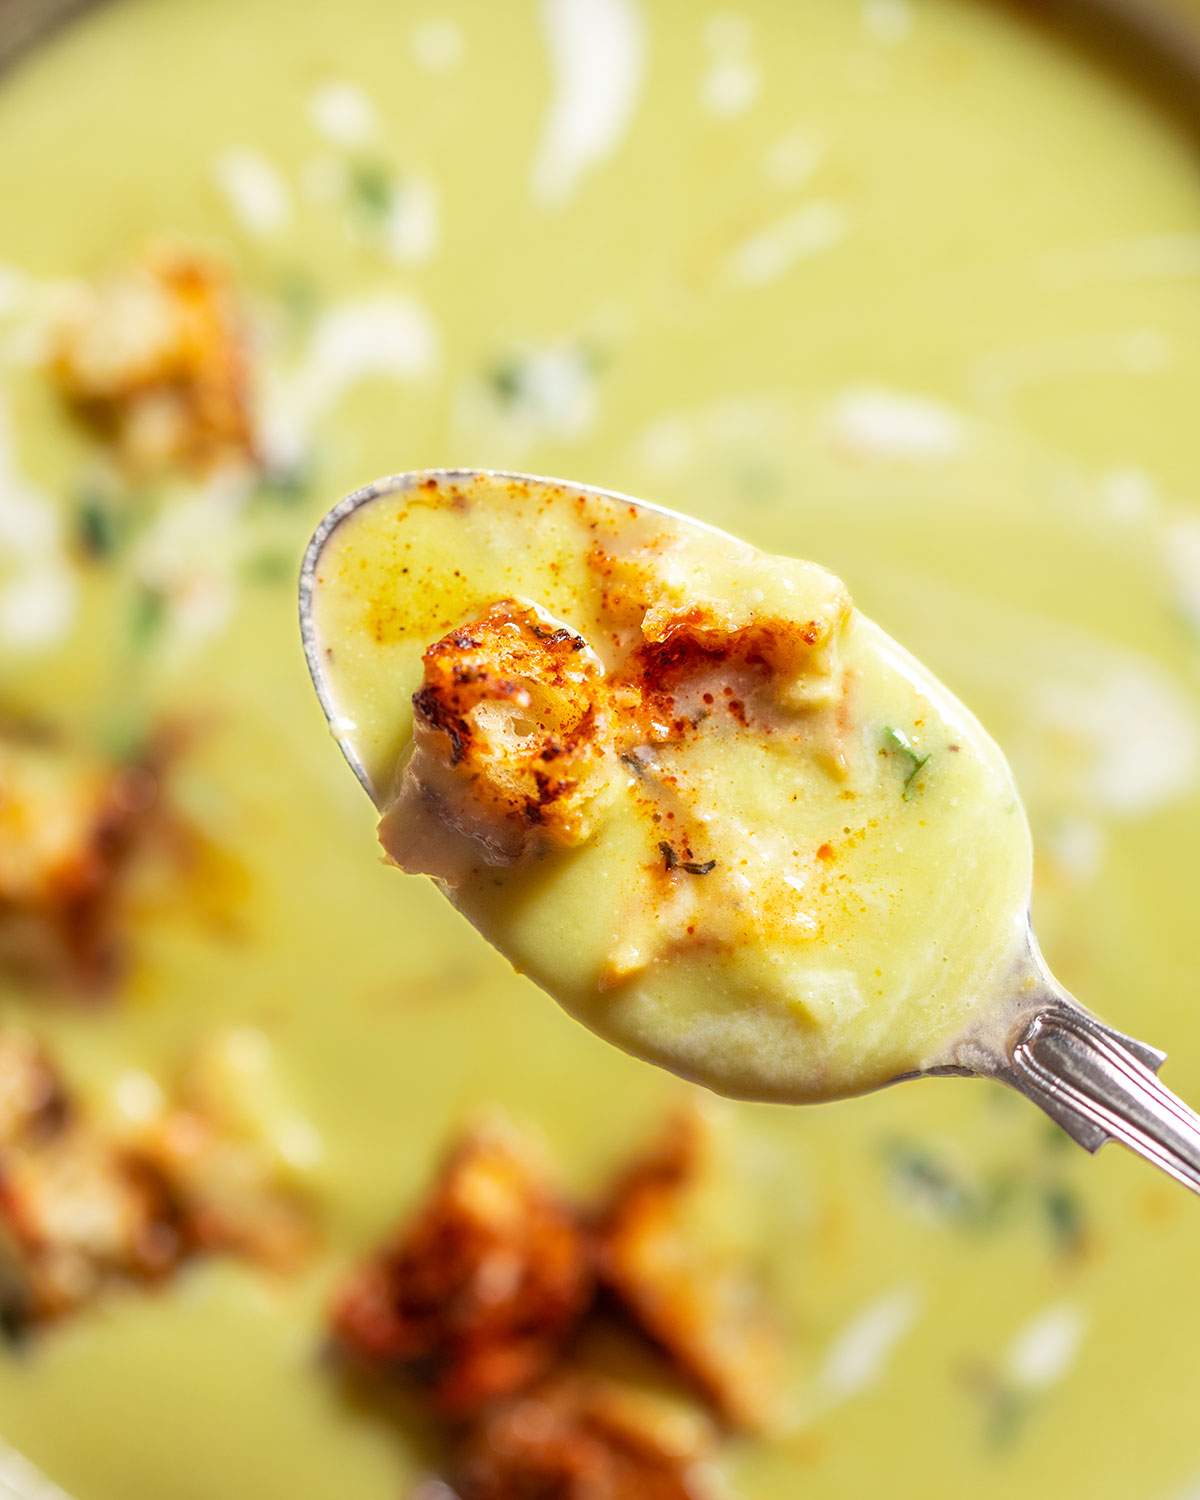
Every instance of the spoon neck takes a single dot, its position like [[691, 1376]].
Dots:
[[1101, 1086]]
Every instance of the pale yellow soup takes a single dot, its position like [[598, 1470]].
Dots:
[[909, 289], [791, 877]]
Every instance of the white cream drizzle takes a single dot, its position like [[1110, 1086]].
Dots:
[[554, 397], [731, 86], [1181, 556], [255, 190], [1000, 376], [732, 81], [31, 309], [858, 1356], [343, 114], [813, 229], [136, 1098], [438, 44], [387, 336], [1043, 1352], [411, 228], [38, 588], [1129, 495], [191, 552], [1093, 728], [873, 422], [1126, 733], [1149, 257], [13, 287], [19, 1480], [1077, 844], [597, 51], [717, 431], [887, 21], [791, 161]]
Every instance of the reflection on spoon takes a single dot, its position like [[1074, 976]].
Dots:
[[701, 800]]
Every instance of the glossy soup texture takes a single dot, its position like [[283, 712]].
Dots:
[[683, 784], [908, 288]]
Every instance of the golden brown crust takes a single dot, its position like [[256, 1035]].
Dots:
[[227, 1194], [155, 362], [575, 1438], [68, 825], [702, 1311], [672, 628], [521, 741], [33, 1099], [784, 661], [487, 1300], [75, 1214], [81, 1207], [76, 1210], [477, 1296], [513, 705]]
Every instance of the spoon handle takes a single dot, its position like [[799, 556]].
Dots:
[[1100, 1086]]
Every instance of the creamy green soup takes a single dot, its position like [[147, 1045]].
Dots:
[[911, 288], [687, 786]]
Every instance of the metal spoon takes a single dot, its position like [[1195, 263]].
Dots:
[[1098, 1084]]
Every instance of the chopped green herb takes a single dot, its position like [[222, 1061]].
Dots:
[[269, 567], [285, 486], [638, 767], [96, 527], [993, 1200], [372, 190], [506, 380], [918, 1175], [299, 296], [147, 617], [671, 860], [1007, 1410], [757, 482], [1065, 1217], [925, 1180], [594, 358], [899, 743], [1005, 1405], [558, 637], [1055, 1137]]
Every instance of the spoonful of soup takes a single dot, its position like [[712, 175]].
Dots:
[[701, 800]]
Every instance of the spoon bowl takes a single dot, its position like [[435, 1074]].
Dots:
[[1098, 1084]]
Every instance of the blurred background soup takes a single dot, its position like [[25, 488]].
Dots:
[[911, 287]]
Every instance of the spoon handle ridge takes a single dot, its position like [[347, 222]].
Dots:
[[1101, 1086]]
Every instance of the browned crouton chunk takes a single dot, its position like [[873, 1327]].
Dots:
[[33, 1101], [82, 1205], [579, 1439], [155, 362], [76, 1214], [68, 821], [237, 1152], [227, 1192], [511, 740], [475, 1297], [76, 1211], [695, 1302]]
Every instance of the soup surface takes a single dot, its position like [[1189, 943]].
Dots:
[[911, 288], [683, 784]]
